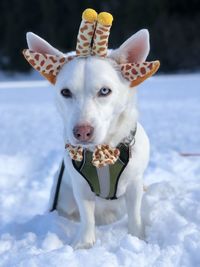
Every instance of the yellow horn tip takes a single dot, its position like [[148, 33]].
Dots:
[[105, 19], [89, 14]]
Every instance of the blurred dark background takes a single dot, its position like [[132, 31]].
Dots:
[[174, 28]]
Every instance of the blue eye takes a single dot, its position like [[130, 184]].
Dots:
[[104, 91]]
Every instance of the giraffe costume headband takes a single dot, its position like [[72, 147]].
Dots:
[[92, 40]]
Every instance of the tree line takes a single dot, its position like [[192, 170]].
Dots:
[[173, 25]]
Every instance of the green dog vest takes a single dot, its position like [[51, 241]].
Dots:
[[112, 172], [109, 174]]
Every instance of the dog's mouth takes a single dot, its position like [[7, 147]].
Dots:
[[83, 144]]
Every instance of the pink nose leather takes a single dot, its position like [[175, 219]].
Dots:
[[83, 132]]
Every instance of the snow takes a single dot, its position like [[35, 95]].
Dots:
[[30, 153]]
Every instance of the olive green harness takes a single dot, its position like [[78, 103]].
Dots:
[[92, 174], [109, 174]]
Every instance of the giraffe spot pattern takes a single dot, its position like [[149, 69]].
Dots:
[[32, 62], [90, 33], [128, 67], [52, 59], [143, 70], [102, 155], [62, 60], [104, 37], [99, 32], [101, 49], [84, 28], [76, 153], [102, 43], [86, 44], [48, 67], [84, 38], [84, 51], [100, 40], [45, 63], [133, 71], [150, 66], [37, 57]]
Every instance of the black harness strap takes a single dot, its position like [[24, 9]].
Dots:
[[58, 186]]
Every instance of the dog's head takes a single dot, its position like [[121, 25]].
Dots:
[[93, 91]]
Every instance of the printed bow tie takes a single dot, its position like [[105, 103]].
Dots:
[[103, 154]]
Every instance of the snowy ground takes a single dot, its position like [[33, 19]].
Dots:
[[31, 150]]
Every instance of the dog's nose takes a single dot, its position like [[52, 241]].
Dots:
[[83, 132]]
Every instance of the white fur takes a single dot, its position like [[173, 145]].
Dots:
[[112, 118]]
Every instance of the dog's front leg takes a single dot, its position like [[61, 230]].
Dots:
[[134, 194], [85, 199]]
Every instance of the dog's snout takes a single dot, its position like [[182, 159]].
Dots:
[[83, 132]]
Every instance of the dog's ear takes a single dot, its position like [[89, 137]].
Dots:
[[37, 44], [43, 57], [135, 49], [131, 56]]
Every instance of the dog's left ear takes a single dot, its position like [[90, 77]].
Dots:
[[43, 57], [131, 56]]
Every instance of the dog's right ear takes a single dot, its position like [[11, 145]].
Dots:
[[131, 57], [43, 57]]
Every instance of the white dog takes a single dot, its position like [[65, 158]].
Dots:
[[98, 106]]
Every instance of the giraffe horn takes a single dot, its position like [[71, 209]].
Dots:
[[86, 32], [48, 65], [102, 32], [136, 73]]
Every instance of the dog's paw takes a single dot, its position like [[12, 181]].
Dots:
[[83, 241], [83, 244], [137, 230]]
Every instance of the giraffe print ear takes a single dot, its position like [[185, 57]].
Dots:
[[131, 56], [136, 73], [43, 57], [48, 65]]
